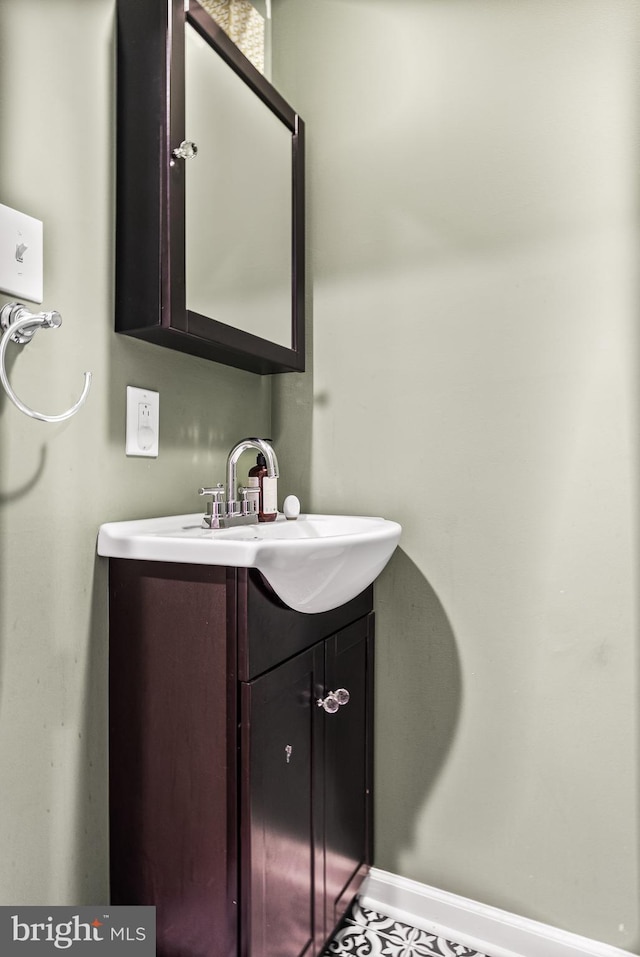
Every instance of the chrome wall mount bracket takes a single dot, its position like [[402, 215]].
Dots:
[[20, 325]]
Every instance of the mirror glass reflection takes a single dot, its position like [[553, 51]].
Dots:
[[248, 24], [238, 200]]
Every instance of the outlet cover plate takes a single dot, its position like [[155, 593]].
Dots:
[[143, 422], [21, 256]]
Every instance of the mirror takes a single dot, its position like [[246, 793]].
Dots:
[[238, 200], [209, 249]]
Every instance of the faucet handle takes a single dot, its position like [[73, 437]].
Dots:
[[217, 492], [248, 506], [215, 508]]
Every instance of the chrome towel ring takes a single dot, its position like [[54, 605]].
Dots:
[[20, 325]]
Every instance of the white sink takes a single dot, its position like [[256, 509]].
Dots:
[[313, 564]]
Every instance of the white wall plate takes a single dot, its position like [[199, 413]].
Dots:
[[21, 256], [143, 422]]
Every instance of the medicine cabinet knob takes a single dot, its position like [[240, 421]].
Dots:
[[186, 150]]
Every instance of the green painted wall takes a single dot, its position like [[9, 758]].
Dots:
[[58, 483], [473, 255], [473, 303]]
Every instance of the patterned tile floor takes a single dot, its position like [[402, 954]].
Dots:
[[363, 933]]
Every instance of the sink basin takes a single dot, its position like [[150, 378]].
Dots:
[[313, 564]]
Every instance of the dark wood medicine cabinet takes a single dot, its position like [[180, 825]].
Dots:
[[238, 807], [194, 234]]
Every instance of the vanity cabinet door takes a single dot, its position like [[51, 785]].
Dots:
[[347, 779], [281, 819], [305, 795]]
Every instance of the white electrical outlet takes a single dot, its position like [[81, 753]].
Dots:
[[21, 260], [143, 422]]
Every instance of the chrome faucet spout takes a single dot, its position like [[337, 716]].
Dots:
[[262, 445], [221, 514]]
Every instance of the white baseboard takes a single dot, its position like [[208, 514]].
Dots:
[[478, 926]]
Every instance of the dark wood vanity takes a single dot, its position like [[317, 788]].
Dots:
[[239, 807]]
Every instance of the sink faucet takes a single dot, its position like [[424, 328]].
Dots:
[[262, 445], [222, 514]]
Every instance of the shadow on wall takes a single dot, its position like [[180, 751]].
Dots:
[[418, 699], [292, 429], [91, 869], [13, 493]]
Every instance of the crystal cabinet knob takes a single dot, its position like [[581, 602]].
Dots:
[[334, 700], [330, 703], [186, 150]]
